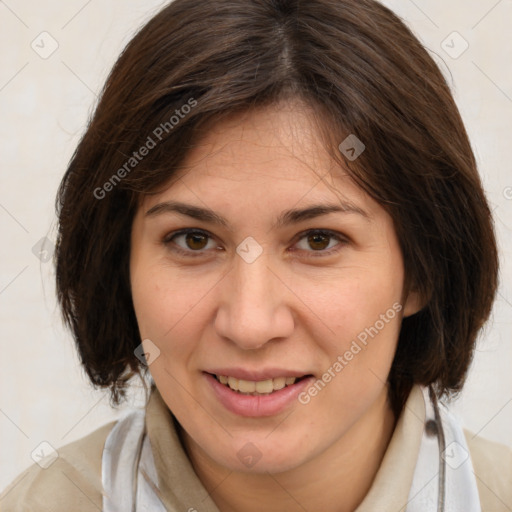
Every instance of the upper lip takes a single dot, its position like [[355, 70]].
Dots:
[[256, 375]]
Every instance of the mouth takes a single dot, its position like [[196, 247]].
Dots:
[[256, 393], [257, 388]]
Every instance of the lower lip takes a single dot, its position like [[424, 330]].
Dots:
[[255, 406]]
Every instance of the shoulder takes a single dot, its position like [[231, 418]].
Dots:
[[492, 465], [71, 482]]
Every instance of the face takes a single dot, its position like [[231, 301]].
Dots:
[[264, 266]]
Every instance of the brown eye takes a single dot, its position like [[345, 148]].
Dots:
[[196, 240], [189, 242], [318, 241]]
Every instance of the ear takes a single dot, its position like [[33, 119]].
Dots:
[[413, 303]]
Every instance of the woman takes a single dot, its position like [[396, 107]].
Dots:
[[276, 213]]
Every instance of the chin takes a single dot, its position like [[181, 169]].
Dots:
[[260, 457]]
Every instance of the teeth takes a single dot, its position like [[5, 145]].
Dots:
[[262, 387], [245, 386], [280, 382], [233, 383]]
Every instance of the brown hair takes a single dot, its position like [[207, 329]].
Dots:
[[364, 73]]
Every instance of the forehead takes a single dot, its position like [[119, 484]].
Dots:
[[282, 137], [265, 156]]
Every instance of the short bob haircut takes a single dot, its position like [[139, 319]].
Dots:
[[364, 73]]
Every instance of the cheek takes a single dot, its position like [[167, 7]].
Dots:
[[170, 310], [160, 298], [350, 305], [363, 314], [149, 303], [161, 313]]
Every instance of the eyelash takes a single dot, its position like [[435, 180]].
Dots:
[[167, 241]]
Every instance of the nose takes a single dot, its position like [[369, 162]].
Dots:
[[254, 306]]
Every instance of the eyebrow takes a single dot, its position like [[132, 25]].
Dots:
[[293, 216]]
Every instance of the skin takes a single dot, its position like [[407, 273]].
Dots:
[[295, 307]]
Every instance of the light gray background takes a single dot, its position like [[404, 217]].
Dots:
[[45, 104]]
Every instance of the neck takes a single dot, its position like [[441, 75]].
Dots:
[[337, 480]]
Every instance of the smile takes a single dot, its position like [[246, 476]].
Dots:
[[256, 398], [255, 388]]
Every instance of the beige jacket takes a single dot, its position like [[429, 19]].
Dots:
[[73, 481]]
